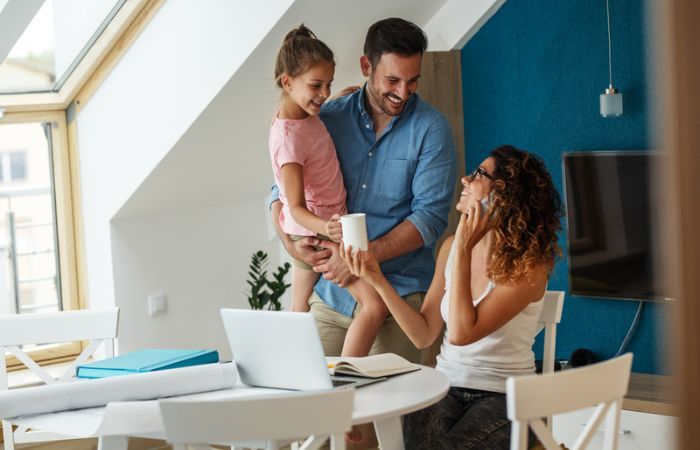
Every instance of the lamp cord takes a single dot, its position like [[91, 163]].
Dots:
[[607, 9], [631, 330]]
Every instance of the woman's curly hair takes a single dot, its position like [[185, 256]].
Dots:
[[526, 216]]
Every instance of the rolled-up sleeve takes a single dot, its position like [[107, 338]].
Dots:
[[433, 182], [273, 197]]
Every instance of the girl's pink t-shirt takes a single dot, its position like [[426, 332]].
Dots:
[[306, 142]]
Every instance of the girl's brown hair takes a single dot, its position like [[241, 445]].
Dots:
[[526, 216], [300, 51]]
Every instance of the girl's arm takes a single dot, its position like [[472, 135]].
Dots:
[[466, 323], [293, 181], [423, 327]]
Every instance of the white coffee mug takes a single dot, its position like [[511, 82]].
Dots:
[[354, 231]]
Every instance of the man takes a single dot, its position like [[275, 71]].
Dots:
[[397, 156]]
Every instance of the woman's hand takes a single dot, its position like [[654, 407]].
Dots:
[[472, 227], [362, 264], [333, 228]]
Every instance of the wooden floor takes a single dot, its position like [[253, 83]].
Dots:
[[91, 444], [134, 444], [156, 444]]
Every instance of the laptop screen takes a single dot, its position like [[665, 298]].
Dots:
[[276, 349]]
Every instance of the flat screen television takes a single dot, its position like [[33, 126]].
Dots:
[[611, 243]]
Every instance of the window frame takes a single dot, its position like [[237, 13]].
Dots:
[[130, 15], [63, 187], [59, 108]]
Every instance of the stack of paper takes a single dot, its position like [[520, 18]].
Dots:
[[90, 393]]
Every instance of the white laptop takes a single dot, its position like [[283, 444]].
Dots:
[[281, 350]]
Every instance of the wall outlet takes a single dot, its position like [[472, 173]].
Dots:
[[157, 304]]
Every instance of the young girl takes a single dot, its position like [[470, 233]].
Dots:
[[308, 175]]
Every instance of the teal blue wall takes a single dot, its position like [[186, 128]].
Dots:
[[531, 78]]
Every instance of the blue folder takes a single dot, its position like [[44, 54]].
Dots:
[[146, 360]]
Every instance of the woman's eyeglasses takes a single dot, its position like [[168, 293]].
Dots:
[[479, 171]]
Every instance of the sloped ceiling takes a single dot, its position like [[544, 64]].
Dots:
[[223, 157]]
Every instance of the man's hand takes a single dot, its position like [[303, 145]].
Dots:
[[304, 250], [335, 269], [346, 91], [301, 250]]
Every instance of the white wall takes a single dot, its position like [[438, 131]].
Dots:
[[163, 82], [198, 258], [174, 177]]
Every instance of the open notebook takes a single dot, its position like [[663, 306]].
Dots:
[[375, 366]]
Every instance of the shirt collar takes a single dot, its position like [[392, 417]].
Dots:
[[361, 99]]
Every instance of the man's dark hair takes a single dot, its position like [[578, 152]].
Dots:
[[394, 35]]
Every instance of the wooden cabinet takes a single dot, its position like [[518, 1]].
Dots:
[[647, 422]]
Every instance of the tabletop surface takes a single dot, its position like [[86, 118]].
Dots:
[[394, 397]]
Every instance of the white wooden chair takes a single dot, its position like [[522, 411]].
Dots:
[[602, 385], [275, 419], [550, 316], [96, 326]]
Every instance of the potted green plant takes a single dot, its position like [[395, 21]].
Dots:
[[265, 293]]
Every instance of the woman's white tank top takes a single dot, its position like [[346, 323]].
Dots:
[[487, 363]]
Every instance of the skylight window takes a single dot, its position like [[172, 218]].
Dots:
[[42, 41]]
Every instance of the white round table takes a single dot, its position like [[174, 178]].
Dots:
[[385, 402], [382, 403]]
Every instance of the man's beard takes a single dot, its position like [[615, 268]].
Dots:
[[382, 101]]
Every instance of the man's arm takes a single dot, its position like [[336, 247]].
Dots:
[[432, 186], [402, 239], [433, 182]]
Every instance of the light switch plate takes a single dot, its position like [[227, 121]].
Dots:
[[157, 304]]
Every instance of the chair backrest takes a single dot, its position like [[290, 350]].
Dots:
[[272, 418], [549, 318], [97, 326], [532, 397]]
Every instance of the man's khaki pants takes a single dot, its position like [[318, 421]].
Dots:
[[333, 326]]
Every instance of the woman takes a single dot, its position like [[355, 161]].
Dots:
[[488, 282]]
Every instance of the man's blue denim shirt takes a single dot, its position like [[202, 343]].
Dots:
[[407, 174]]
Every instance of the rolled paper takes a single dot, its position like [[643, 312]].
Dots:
[[85, 393], [354, 231]]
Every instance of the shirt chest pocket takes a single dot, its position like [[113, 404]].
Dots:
[[396, 177]]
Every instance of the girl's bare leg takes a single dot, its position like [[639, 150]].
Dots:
[[366, 324], [362, 332], [303, 282]]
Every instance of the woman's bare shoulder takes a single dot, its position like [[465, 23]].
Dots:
[[444, 252], [536, 281], [531, 285]]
